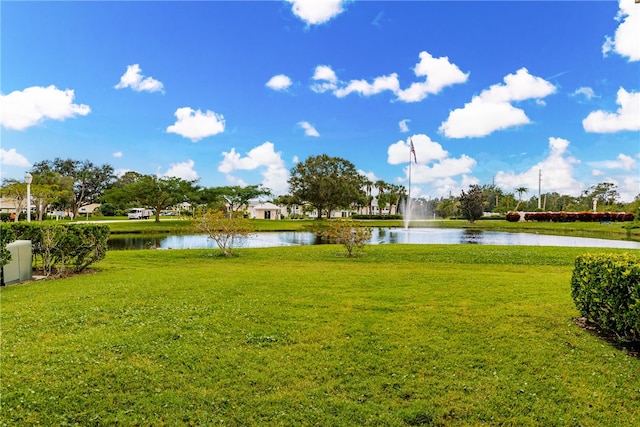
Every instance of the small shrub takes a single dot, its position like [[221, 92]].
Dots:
[[606, 291], [513, 216], [225, 231], [349, 234]]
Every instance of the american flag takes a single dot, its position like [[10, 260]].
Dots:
[[413, 151]]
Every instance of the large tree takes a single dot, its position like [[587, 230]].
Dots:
[[89, 180], [16, 190], [161, 192], [120, 194], [605, 193], [472, 203], [327, 183]]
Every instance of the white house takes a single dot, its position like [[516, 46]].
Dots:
[[263, 210]]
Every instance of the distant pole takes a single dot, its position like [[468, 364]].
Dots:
[[409, 194], [539, 188], [27, 179]]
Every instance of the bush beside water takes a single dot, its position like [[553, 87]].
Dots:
[[606, 291], [61, 249]]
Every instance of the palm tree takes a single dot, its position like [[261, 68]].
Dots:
[[381, 186], [520, 190]]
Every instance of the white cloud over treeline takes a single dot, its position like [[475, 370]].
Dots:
[[493, 109], [11, 157], [556, 170], [20, 110], [195, 125], [264, 158], [626, 118]]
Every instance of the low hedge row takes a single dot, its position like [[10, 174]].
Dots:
[[376, 217], [572, 216], [60, 249], [606, 291]]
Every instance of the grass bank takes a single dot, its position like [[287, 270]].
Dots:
[[405, 335], [614, 230]]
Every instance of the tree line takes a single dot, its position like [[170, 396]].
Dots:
[[321, 183]]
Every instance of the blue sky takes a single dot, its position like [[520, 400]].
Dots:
[[235, 93]]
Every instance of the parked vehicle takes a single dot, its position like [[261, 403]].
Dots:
[[140, 213]]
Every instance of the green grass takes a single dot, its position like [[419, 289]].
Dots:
[[614, 230], [405, 335]]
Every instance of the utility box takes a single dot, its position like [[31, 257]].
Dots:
[[20, 267]]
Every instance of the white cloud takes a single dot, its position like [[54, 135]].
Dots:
[[13, 158], [629, 187], [182, 170], [404, 126], [626, 118], [315, 12], [444, 168], [380, 84], [121, 171], [438, 73], [626, 41], [327, 78], [492, 110], [22, 109], [621, 162], [117, 154], [556, 171], [275, 174], [371, 176], [135, 80], [196, 125], [433, 163], [426, 151], [279, 82], [309, 130], [586, 91]]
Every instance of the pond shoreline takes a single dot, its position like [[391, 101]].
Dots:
[[381, 235]]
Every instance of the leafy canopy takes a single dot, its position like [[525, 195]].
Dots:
[[327, 183]]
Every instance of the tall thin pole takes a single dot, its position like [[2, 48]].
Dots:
[[409, 194], [27, 179], [539, 188]]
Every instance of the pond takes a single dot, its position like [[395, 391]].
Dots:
[[380, 236]]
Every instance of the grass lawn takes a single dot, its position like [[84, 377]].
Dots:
[[404, 335]]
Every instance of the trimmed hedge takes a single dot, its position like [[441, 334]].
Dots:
[[376, 217], [578, 216], [63, 248], [606, 290]]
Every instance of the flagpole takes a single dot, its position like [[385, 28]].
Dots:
[[409, 194]]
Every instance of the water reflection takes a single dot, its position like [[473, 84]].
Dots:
[[379, 236], [473, 237]]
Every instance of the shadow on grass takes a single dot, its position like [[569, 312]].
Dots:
[[632, 348]]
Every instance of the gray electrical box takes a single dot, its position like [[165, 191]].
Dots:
[[20, 267]]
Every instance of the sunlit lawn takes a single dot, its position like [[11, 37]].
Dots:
[[404, 335]]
